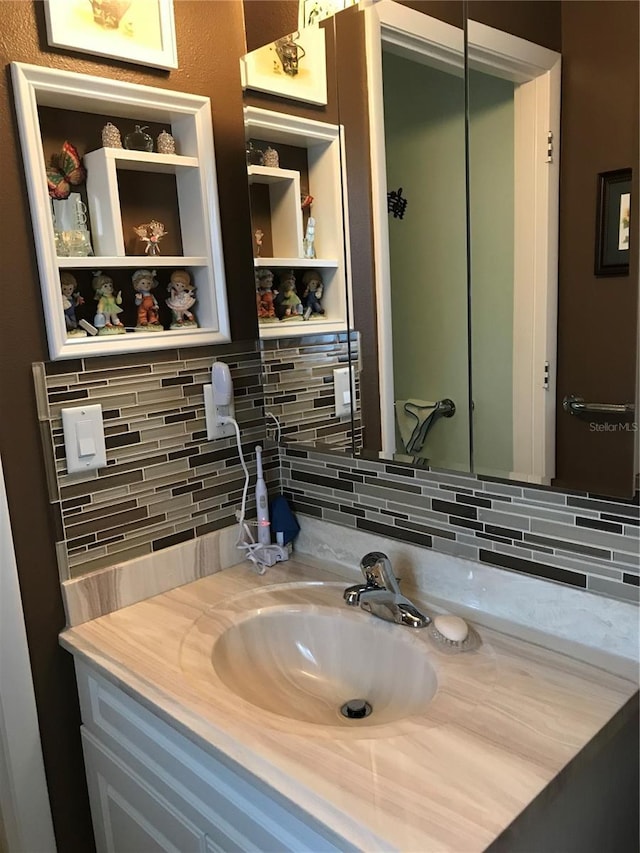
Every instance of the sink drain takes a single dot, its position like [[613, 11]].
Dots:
[[356, 709]]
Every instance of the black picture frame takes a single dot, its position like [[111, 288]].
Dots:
[[614, 189]]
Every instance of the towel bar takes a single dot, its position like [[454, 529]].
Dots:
[[577, 406]]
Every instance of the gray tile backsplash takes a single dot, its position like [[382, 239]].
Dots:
[[299, 390], [165, 483], [539, 532]]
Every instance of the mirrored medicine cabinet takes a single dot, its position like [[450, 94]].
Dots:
[[469, 208]]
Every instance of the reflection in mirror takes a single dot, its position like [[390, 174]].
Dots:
[[513, 252], [424, 323], [296, 175], [513, 94]]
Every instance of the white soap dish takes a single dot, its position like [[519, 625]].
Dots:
[[452, 634]]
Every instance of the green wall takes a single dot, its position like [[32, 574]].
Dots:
[[424, 134], [491, 165]]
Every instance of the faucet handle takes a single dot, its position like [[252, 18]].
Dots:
[[376, 567]]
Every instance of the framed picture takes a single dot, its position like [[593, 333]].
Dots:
[[311, 12], [612, 223], [292, 67], [140, 31]]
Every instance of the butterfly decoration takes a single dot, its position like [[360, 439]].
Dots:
[[66, 170]]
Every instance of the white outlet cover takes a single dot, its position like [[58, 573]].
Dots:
[[342, 380], [215, 430]]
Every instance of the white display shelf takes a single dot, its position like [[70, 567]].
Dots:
[[113, 261], [293, 328], [143, 161], [297, 263], [284, 204], [194, 168], [323, 144], [271, 175]]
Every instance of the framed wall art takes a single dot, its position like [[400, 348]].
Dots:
[[139, 31], [311, 12], [612, 223], [294, 67]]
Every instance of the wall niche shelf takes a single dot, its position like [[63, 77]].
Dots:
[[276, 209], [187, 178]]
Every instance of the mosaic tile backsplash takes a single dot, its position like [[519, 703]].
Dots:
[[164, 482], [576, 539], [299, 389]]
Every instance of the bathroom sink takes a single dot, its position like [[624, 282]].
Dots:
[[305, 663]]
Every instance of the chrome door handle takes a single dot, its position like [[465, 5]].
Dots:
[[577, 406]]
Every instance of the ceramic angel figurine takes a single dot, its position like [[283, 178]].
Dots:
[[144, 281], [70, 300], [106, 319], [182, 297], [312, 291], [264, 294]]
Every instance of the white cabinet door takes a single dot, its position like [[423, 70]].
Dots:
[[129, 815]]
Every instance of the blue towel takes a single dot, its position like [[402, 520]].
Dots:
[[283, 520]]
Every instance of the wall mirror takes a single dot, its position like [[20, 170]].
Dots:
[[455, 299]]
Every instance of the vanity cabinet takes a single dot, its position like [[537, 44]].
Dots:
[[152, 789], [124, 188], [311, 164]]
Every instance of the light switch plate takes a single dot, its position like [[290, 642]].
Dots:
[[84, 438], [342, 383]]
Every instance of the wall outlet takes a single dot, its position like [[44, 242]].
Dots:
[[211, 412]]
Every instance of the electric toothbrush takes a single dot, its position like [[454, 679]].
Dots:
[[262, 502]]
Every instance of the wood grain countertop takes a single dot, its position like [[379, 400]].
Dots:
[[506, 718]]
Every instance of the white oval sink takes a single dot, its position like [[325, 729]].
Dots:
[[305, 663]]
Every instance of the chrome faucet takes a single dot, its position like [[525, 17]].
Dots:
[[381, 595]]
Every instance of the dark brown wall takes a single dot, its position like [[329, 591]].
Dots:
[[210, 38], [597, 316], [538, 21]]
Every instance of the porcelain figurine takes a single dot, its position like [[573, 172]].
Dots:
[[151, 233], [287, 302], [70, 300], [312, 292], [182, 297], [264, 294], [106, 319], [144, 281], [258, 236], [309, 246]]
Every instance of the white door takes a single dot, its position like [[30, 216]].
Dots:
[[25, 814]]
